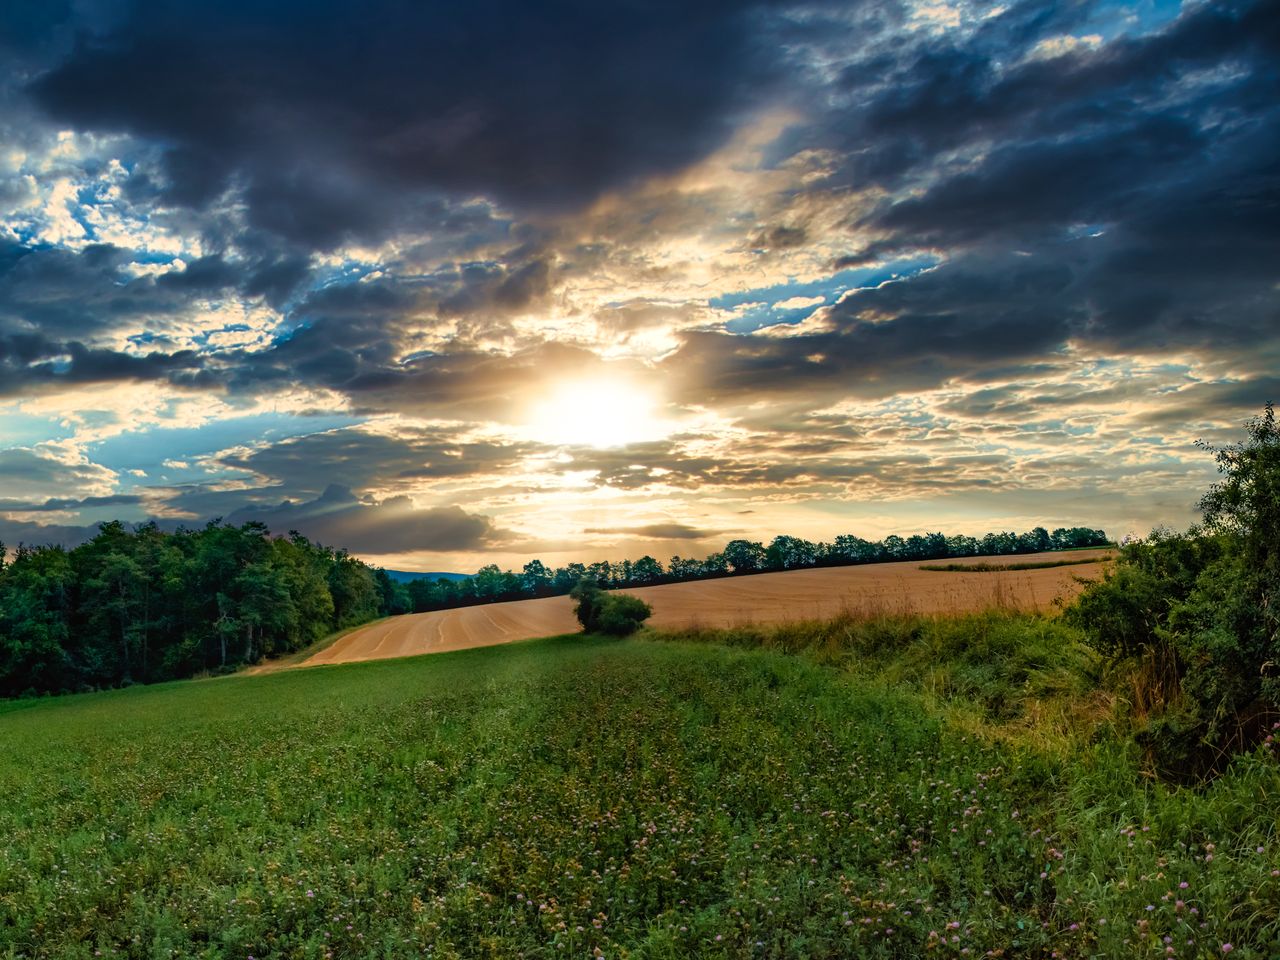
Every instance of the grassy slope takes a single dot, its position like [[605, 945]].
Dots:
[[646, 799]]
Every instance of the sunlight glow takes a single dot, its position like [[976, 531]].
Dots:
[[596, 413]]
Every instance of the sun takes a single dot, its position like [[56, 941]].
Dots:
[[595, 413]]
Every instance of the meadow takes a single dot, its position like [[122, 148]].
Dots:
[[902, 787]]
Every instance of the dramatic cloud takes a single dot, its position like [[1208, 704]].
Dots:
[[388, 526], [454, 285], [364, 460], [28, 474], [330, 113], [657, 531]]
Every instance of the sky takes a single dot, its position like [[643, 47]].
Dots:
[[457, 283]]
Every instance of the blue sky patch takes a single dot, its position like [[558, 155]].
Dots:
[[148, 449], [764, 306]]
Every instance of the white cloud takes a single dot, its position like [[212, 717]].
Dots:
[[798, 303]]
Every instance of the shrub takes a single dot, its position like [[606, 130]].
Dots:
[[1197, 617], [622, 614], [590, 598], [617, 614]]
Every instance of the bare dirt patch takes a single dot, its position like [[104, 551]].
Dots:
[[880, 588]]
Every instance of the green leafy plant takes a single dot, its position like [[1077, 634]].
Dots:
[[617, 614], [1195, 615]]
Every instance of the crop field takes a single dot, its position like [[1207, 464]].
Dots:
[[575, 797], [899, 588]]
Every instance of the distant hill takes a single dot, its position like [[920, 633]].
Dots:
[[404, 576]]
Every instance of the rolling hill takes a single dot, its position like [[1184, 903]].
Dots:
[[763, 598]]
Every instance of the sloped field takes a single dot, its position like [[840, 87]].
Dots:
[[766, 598]]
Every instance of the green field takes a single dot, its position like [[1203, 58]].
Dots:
[[577, 797]]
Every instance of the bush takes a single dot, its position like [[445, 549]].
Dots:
[[1196, 615], [617, 614], [622, 614], [590, 598]]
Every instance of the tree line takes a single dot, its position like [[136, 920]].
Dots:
[[536, 579], [142, 605]]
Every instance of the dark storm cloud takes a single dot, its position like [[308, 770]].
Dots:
[[69, 503], [15, 532], [30, 363], [1125, 200], [393, 525], [1115, 201], [658, 531], [336, 517], [913, 334], [58, 305], [913, 104], [495, 288], [1145, 168], [36, 473], [328, 113], [65, 293], [465, 383], [360, 460], [203, 275], [803, 467]]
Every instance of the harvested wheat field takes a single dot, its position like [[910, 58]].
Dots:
[[764, 598]]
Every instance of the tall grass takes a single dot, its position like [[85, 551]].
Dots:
[[1010, 665]]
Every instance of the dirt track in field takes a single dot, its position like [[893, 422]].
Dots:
[[764, 598]]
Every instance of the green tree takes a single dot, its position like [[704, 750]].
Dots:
[[113, 600], [1245, 503], [646, 570], [36, 589], [266, 610], [354, 590], [535, 579], [790, 553], [490, 584], [744, 556], [1196, 613], [589, 599]]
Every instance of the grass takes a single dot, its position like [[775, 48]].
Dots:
[[818, 792], [983, 567]]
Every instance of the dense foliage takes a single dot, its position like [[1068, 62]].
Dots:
[[615, 614], [625, 799], [738, 557], [1196, 616], [143, 605]]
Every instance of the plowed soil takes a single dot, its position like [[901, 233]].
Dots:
[[764, 598]]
